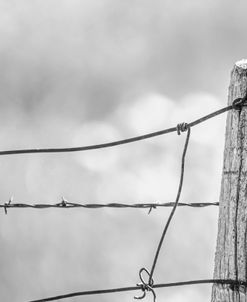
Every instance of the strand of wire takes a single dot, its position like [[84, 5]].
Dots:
[[72, 205], [233, 284], [124, 141], [183, 127]]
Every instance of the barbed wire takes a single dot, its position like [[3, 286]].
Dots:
[[231, 282], [124, 141], [64, 204]]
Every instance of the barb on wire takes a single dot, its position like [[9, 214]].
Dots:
[[7, 205], [123, 141], [230, 282], [70, 205]]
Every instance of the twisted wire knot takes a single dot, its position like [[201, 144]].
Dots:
[[145, 286], [182, 127]]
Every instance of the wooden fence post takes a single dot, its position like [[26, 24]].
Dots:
[[231, 250]]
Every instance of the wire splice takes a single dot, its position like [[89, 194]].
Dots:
[[182, 128]]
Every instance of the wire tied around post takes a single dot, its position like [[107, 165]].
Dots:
[[238, 103], [145, 286]]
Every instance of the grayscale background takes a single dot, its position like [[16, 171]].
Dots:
[[82, 72]]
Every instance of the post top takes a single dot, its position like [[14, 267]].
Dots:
[[242, 64]]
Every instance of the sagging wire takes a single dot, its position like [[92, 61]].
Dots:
[[123, 141]]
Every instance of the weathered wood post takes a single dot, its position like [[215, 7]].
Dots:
[[231, 250]]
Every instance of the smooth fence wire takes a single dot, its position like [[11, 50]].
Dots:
[[230, 282], [120, 142]]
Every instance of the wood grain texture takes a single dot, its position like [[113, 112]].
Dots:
[[231, 253]]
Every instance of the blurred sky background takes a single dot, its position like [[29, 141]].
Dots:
[[83, 72]]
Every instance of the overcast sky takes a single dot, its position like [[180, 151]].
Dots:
[[83, 72]]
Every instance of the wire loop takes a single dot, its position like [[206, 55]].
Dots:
[[145, 286], [182, 127]]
